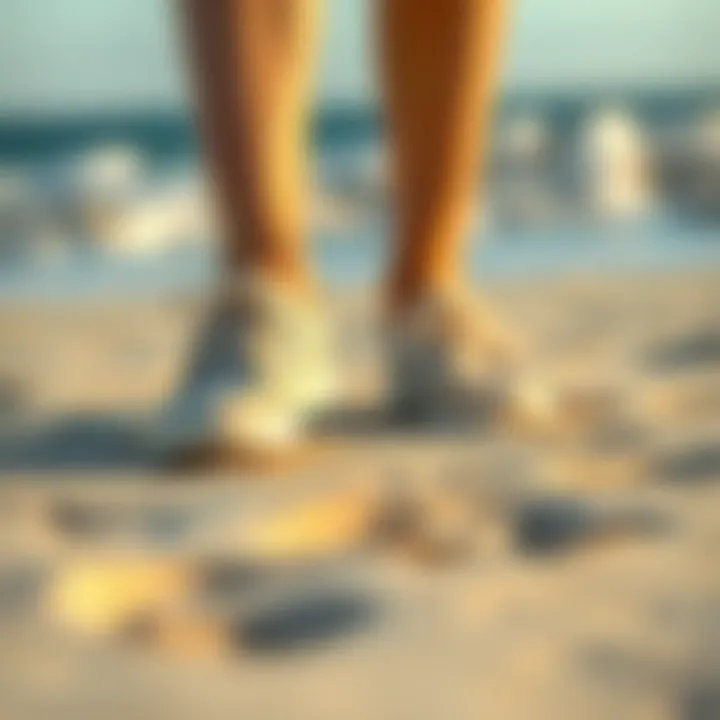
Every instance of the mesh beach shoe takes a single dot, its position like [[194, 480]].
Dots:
[[442, 348], [262, 370]]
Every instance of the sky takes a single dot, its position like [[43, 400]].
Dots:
[[88, 55]]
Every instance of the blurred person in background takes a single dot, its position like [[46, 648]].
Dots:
[[264, 363]]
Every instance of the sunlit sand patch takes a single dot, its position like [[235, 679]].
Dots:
[[331, 524], [103, 595]]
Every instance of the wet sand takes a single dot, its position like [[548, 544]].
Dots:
[[554, 563]]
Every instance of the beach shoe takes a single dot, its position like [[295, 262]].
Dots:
[[262, 370], [442, 349]]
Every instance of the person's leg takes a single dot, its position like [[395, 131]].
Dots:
[[262, 364], [253, 64], [440, 67]]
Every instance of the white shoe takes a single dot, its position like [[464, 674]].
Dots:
[[441, 350], [263, 368]]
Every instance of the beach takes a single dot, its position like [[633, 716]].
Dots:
[[562, 564]]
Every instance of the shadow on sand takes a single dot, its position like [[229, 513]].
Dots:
[[77, 442]]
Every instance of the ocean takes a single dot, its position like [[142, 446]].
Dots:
[[661, 241]]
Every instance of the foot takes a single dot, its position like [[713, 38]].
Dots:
[[442, 347], [262, 370]]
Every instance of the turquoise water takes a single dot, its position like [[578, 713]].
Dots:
[[655, 244], [168, 135]]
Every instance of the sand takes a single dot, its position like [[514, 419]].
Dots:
[[556, 560]]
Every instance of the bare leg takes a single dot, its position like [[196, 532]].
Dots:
[[262, 364], [253, 63], [440, 71]]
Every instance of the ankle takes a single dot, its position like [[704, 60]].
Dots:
[[405, 295], [290, 280]]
